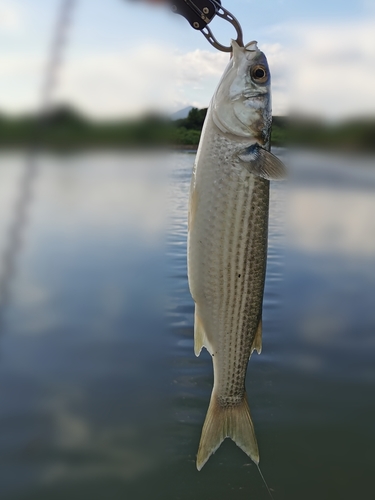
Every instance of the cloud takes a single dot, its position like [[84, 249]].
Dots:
[[10, 17], [333, 70], [325, 69], [148, 77], [118, 82], [153, 77], [110, 84], [277, 57]]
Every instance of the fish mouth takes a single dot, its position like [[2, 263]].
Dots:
[[254, 95]]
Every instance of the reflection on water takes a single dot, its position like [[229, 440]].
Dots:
[[101, 394]]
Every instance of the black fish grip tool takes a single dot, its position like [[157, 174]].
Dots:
[[200, 13]]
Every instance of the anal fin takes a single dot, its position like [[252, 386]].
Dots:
[[199, 334], [257, 343]]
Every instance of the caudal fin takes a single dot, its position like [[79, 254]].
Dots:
[[234, 422]]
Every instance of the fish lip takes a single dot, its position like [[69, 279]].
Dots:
[[256, 94], [234, 44]]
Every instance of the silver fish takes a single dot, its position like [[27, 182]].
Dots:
[[227, 243]]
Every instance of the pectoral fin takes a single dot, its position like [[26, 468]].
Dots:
[[258, 161], [257, 343]]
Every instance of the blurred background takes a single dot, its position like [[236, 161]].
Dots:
[[101, 396]]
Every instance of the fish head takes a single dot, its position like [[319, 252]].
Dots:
[[241, 105]]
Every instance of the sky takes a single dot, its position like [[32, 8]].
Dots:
[[123, 57]]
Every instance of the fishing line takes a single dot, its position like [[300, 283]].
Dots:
[[23, 201], [265, 482]]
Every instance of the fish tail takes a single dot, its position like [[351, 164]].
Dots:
[[222, 422]]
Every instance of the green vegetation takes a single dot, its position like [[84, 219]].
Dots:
[[65, 128], [353, 135]]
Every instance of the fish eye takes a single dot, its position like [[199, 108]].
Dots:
[[259, 73]]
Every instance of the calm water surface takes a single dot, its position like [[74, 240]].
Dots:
[[101, 394]]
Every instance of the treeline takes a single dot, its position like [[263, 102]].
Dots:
[[66, 128], [350, 135]]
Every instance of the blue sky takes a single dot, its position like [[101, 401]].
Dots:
[[124, 57]]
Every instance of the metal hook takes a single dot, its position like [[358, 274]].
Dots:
[[200, 13], [227, 16]]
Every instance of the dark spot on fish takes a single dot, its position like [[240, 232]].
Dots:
[[239, 276]]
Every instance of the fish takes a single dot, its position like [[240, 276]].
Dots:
[[228, 239]]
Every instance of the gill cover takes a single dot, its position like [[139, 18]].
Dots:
[[240, 105]]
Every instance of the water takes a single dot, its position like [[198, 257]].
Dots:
[[101, 394]]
